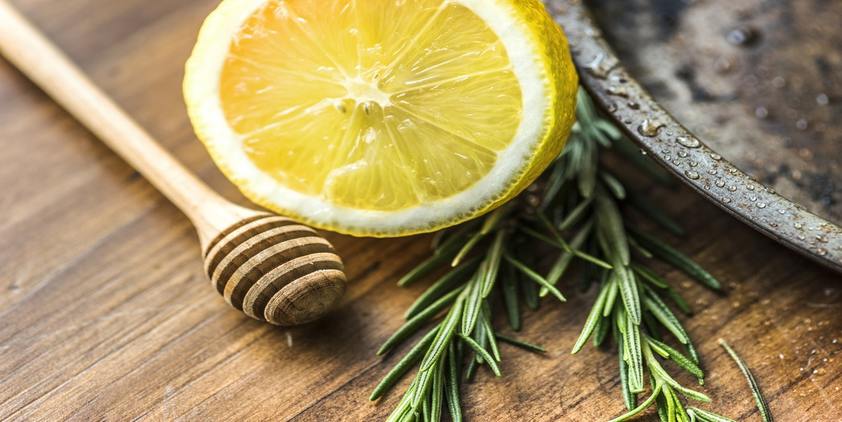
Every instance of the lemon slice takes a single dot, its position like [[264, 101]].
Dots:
[[381, 117]]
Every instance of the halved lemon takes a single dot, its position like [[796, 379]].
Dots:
[[381, 117]]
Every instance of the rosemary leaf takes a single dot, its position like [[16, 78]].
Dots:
[[436, 395], [628, 291], [482, 352], [664, 314], [678, 260], [705, 416], [613, 185], [667, 319], [593, 317], [650, 276], [445, 252], [530, 293], [473, 303], [489, 334], [643, 406], [510, 298], [466, 248], [415, 323], [451, 387], [563, 261], [532, 275], [492, 263], [522, 344], [679, 358], [611, 298], [655, 214], [444, 335], [413, 356], [440, 287], [629, 398], [635, 357], [575, 215], [601, 331], [762, 406], [610, 223]]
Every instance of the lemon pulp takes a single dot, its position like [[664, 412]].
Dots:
[[370, 104]]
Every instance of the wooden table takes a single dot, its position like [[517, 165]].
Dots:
[[106, 313]]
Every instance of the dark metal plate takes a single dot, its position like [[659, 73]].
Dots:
[[758, 80]]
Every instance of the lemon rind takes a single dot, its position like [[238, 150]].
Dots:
[[536, 132]]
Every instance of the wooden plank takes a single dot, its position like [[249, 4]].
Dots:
[[106, 313]]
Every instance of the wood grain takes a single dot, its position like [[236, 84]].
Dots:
[[106, 314]]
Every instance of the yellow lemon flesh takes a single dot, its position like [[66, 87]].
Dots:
[[381, 117]]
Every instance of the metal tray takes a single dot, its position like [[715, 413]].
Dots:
[[758, 80]]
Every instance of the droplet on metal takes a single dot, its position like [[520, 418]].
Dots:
[[692, 174], [688, 142], [649, 128]]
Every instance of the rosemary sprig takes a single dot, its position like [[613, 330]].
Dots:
[[762, 406], [576, 208]]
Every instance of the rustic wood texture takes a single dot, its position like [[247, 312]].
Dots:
[[106, 313]]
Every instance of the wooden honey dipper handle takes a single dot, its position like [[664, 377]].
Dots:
[[50, 69], [269, 267]]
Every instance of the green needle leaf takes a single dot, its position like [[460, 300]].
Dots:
[[510, 298], [535, 277], [440, 287], [705, 416], [492, 263], [635, 359], [593, 317], [677, 259], [520, 343], [451, 386], [678, 358], [415, 323], [643, 406], [610, 223], [655, 214], [482, 352], [762, 406], [445, 252], [412, 357], [628, 291], [444, 335]]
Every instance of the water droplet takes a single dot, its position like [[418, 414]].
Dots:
[[798, 226], [692, 175], [802, 124], [822, 251], [716, 157], [600, 66], [720, 183], [617, 91], [726, 200], [682, 154], [732, 188], [633, 105], [822, 99], [761, 205], [743, 36], [778, 82], [649, 128], [694, 163], [688, 142], [761, 112]]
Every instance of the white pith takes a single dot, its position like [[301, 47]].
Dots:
[[205, 68]]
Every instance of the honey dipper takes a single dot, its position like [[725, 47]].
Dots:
[[267, 266]]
